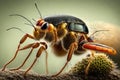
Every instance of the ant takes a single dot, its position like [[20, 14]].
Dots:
[[67, 34]]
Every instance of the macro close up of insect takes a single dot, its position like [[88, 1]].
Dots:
[[66, 35]]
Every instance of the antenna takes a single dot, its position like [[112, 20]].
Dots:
[[38, 10], [15, 28], [96, 32], [28, 24], [34, 20], [24, 18]]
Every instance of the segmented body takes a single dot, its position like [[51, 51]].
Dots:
[[66, 36]]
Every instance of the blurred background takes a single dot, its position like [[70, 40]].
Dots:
[[90, 11]]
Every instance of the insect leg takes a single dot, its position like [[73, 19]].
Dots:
[[21, 41], [46, 57], [33, 45], [41, 49], [46, 62], [89, 62], [73, 46]]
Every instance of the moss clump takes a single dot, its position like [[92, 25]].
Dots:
[[99, 64]]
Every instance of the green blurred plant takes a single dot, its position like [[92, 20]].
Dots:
[[98, 64]]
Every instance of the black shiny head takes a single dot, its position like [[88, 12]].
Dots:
[[74, 23], [44, 26]]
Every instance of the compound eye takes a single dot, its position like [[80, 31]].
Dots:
[[44, 26], [77, 27]]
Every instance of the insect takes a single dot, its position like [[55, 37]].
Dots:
[[67, 35]]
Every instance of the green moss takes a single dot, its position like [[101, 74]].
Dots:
[[100, 64]]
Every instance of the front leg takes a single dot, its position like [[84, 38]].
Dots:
[[32, 46], [23, 39], [40, 51]]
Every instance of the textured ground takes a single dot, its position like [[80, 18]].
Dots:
[[18, 75]]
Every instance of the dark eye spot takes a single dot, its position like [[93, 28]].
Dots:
[[44, 26]]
